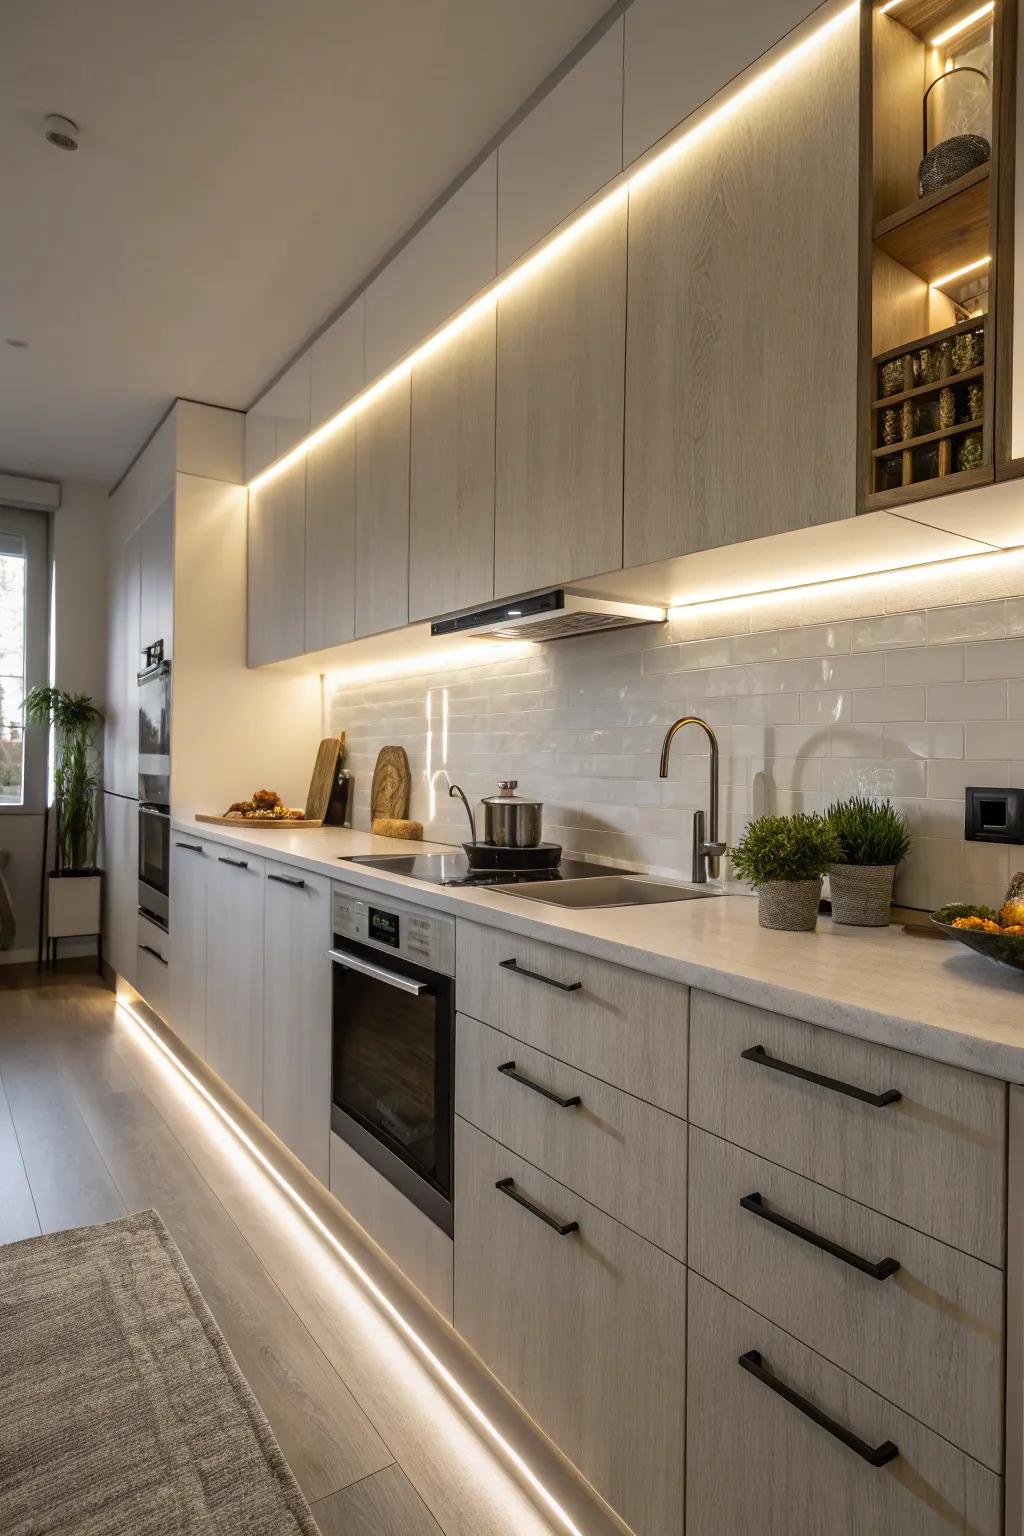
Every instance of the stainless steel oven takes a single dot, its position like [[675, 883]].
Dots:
[[393, 1056], [154, 861], [155, 783]]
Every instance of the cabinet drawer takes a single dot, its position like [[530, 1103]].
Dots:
[[928, 1336], [586, 1330], [152, 968], [933, 1157], [758, 1463], [624, 1156], [619, 1025]]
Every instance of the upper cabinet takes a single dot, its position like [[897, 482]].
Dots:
[[336, 364], [451, 513], [157, 579], [382, 510], [741, 368], [330, 539], [563, 151], [279, 419], [678, 53], [561, 349], [277, 566], [442, 267]]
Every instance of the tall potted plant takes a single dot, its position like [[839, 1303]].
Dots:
[[874, 839], [76, 777], [786, 858]]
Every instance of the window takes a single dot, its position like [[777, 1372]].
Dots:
[[23, 648]]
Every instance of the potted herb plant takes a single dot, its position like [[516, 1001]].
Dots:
[[76, 777], [786, 857], [874, 838]]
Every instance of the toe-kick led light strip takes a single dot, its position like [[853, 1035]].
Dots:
[[564, 238], [352, 1264]]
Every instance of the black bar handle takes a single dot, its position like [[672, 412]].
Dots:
[[880, 1271], [549, 981], [235, 863], [874, 1455], [509, 1069], [190, 847], [300, 885], [149, 950], [563, 1228], [758, 1055]]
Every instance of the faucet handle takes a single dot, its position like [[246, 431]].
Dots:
[[715, 850]]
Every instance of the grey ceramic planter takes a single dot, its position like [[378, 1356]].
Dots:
[[789, 904], [861, 894]]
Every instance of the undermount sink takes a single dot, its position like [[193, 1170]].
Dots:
[[604, 891]]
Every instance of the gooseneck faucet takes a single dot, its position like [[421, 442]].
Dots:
[[706, 850]]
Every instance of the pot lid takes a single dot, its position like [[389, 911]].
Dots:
[[507, 795]]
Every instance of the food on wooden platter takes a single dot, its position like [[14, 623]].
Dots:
[[265, 805]]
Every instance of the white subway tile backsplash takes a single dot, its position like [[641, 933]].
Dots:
[[903, 688]]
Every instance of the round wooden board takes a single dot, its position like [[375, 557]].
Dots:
[[392, 785]]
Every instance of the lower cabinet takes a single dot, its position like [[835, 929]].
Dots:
[[121, 884], [582, 1321], [297, 1013], [781, 1443], [234, 972], [190, 863], [153, 965]]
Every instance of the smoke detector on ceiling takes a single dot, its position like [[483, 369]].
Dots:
[[61, 132]]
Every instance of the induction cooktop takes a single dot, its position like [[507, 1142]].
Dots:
[[453, 869]]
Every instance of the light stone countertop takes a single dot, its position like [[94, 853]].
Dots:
[[910, 989]]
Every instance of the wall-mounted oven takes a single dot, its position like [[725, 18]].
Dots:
[[154, 782], [394, 1042]]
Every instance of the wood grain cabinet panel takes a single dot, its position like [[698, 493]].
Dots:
[[382, 510], [277, 566], [234, 972], [190, 864], [561, 343], [934, 1159], [622, 1026], [331, 540], [928, 1337], [451, 513], [741, 368], [756, 1463], [604, 1147], [585, 1330]]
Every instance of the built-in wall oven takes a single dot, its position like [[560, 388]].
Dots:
[[154, 783], [393, 1051]]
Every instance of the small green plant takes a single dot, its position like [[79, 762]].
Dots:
[[799, 847], [76, 777], [962, 909], [869, 831]]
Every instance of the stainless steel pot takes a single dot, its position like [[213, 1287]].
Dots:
[[509, 820]]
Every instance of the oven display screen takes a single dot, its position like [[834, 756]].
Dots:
[[384, 927]]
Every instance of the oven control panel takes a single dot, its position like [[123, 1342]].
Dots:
[[394, 927]]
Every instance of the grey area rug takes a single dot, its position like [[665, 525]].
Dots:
[[122, 1411]]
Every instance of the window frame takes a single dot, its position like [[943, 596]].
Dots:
[[33, 528]]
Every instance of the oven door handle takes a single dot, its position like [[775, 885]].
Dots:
[[378, 972]]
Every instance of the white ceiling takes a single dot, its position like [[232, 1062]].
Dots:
[[243, 165]]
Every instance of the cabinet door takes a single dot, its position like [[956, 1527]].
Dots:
[[741, 368], [451, 512], [277, 566], [234, 972], [382, 510], [120, 884], [126, 772], [191, 860], [585, 1329], [297, 1014], [116, 712], [331, 539], [157, 578], [561, 344]]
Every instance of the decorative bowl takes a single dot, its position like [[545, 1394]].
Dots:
[[1004, 949]]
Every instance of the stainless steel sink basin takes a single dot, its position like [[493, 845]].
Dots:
[[604, 891]]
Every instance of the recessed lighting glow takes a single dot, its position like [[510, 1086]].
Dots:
[[963, 24], [355, 1268], [890, 5], [475, 655], [972, 266], [560, 242]]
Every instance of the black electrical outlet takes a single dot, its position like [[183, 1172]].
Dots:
[[994, 816]]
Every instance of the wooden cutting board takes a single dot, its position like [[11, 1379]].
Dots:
[[392, 785], [324, 772]]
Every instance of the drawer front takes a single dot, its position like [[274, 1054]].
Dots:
[[928, 1336], [934, 1158], [757, 1463], [619, 1025], [586, 1330], [624, 1156], [153, 967]]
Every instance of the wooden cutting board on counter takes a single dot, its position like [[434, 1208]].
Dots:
[[325, 770], [392, 785]]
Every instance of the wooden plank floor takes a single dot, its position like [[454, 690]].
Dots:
[[94, 1124]]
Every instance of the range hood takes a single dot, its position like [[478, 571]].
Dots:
[[553, 615]]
